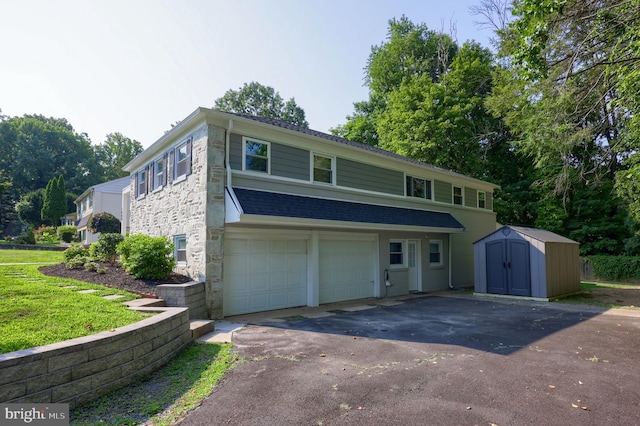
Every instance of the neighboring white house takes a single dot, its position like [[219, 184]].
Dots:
[[102, 198], [271, 215]]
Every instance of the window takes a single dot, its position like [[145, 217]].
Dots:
[[457, 195], [158, 173], [435, 253], [418, 187], [482, 200], [90, 200], [180, 243], [256, 156], [141, 183], [183, 160], [322, 168], [396, 253]]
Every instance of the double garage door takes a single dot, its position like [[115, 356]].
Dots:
[[262, 274]]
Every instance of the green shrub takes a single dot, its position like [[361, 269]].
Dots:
[[104, 223], [67, 232], [615, 268], [105, 248], [76, 262], [74, 251], [46, 234], [90, 266], [147, 257], [26, 238]]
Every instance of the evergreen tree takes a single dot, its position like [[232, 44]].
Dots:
[[54, 204]]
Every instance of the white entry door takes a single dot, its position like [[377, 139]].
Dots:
[[346, 269], [413, 262], [264, 274]]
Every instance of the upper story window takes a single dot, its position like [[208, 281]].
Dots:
[[256, 156], [418, 187], [323, 168], [141, 183], [182, 159], [90, 200], [482, 200], [159, 173], [457, 195]]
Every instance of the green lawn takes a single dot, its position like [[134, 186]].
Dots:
[[37, 310]]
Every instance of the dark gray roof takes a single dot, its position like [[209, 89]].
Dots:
[[284, 205], [307, 131]]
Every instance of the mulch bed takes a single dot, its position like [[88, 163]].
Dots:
[[114, 277]]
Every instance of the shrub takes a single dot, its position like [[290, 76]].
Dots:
[[76, 262], [67, 232], [104, 223], [74, 251], [46, 234], [615, 268], [105, 248], [26, 238], [147, 257]]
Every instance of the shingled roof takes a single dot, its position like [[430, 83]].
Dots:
[[276, 204]]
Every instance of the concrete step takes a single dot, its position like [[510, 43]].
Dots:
[[145, 303], [201, 327]]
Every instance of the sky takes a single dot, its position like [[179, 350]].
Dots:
[[138, 66]]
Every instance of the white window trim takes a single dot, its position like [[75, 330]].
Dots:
[[140, 195], [453, 195], [155, 173], [441, 248], [485, 199], [244, 155], [176, 238], [404, 254], [333, 168], [179, 178], [430, 186]]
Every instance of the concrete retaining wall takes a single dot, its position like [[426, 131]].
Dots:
[[190, 295], [82, 369]]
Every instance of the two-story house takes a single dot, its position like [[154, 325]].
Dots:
[[272, 215], [101, 198]]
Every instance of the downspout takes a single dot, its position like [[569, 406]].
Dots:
[[450, 282]]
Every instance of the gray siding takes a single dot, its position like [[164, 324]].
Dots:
[[371, 178], [470, 197], [442, 192], [489, 199], [290, 162], [235, 151]]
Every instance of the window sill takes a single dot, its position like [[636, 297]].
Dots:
[[180, 179]]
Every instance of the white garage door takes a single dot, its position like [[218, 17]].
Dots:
[[264, 274], [346, 270]]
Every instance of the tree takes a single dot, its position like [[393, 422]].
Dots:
[[104, 223], [6, 207], [29, 208], [411, 51], [256, 99], [54, 203], [116, 151]]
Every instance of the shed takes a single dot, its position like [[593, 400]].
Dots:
[[529, 262]]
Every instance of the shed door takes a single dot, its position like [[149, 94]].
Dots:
[[508, 267]]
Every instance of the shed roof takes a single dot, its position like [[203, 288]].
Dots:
[[295, 206], [538, 234]]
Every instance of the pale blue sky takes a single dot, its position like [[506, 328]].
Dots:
[[138, 66]]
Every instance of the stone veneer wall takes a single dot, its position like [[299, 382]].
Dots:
[[193, 207], [82, 369]]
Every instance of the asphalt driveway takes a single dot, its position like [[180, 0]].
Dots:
[[434, 360]]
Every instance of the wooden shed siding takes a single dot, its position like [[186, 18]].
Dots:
[[235, 151], [290, 162], [442, 192], [470, 197], [371, 178], [563, 269]]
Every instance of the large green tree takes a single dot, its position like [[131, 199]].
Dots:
[[114, 153], [54, 203], [563, 92], [256, 99], [29, 208]]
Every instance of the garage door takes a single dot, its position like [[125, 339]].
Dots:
[[346, 270], [264, 274]]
